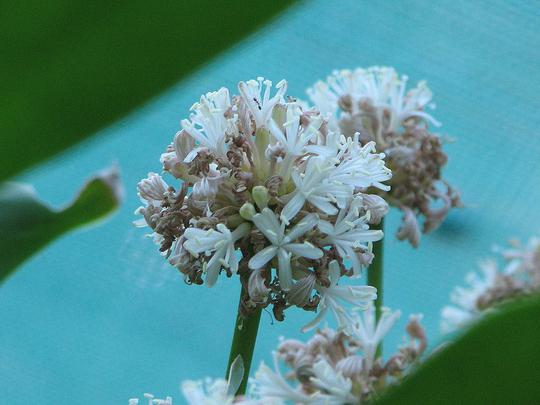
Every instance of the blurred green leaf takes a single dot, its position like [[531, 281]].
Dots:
[[27, 224], [494, 362], [70, 67]]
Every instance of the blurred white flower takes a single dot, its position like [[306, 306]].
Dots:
[[271, 384], [465, 300], [335, 388], [370, 333], [152, 400], [208, 392], [524, 259], [375, 105], [380, 86]]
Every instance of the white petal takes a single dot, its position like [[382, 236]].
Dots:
[[269, 225], [310, 325], [307, 223], [323, 204], [387, 321], [304, 250], [213, 267], [285, 275], [262, 257], [326, 227], [294, 205]]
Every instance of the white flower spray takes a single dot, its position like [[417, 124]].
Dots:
[[376, 103], [332, 367], [516, 275], [268, 192]]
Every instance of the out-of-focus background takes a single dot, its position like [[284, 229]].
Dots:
[[99, 317]]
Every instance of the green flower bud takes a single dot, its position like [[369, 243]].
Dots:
[[247, 211], [261, 197]]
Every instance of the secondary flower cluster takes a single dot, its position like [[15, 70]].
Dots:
[[518, 276], [333, 367], [270, 193], [375, 103]]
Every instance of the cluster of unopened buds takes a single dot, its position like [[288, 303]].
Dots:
[[271, 193], [516, 275], [375, 103]]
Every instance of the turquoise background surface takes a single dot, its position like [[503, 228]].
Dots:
[[99, 317]]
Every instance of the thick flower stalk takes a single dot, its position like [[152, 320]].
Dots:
[[515, 275], [266, 191], [376, 103]]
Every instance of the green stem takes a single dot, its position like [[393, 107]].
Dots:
[[375, 275], [243, 343]]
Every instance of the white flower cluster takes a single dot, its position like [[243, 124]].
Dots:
[[518, 276], [379, 88], [268, 192], [376, 103], [333, 367]]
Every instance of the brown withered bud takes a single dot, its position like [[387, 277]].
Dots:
[[278, 310], [301, 292], [346, 103], [273, 184], [235, 157], [201, 163]]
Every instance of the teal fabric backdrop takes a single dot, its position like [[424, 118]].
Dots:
[[98, 317]]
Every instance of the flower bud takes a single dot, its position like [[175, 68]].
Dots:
[[247, 211], [261, 197], [234, 220], [184, 146], [152, 188], [350, 366], [376, 206]]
